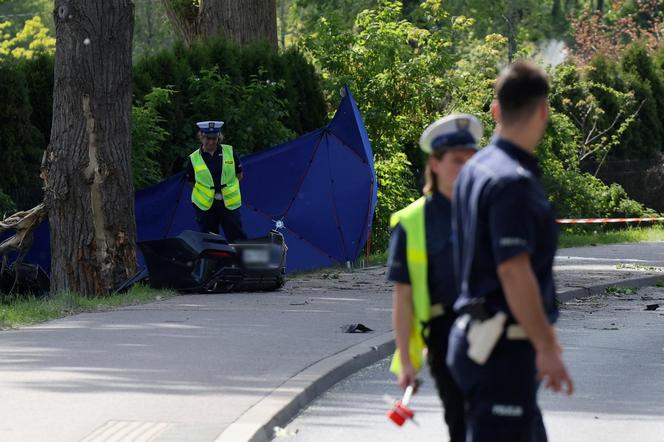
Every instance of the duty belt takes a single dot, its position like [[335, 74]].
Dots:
[[512, 332]]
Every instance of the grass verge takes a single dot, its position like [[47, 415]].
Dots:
[[570, 238], [25, 311]]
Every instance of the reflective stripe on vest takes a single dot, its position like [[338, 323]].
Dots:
[[203, 193], [412, 221]]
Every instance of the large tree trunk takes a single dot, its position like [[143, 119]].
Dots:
[[242, 21], [87, 168]]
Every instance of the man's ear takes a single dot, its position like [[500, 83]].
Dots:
[[495, 111], [544, 110]]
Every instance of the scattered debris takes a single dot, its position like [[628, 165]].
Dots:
[[616, 290], [636, 266], [355, 328], [652, 306], [300, 303], [283, 432]]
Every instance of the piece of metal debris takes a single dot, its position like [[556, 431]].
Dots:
[[355, 328], [300, 303], [283, 432]]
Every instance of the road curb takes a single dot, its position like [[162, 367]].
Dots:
[[257, 423], [583, 292]]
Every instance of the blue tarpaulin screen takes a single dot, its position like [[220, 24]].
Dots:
[[322, 186]]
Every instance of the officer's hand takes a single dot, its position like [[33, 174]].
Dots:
[[407, 377], [551, 370]]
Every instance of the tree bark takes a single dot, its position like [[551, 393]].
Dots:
[[241, 21], [87, 168]]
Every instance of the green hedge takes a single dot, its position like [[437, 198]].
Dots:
[[265, 97], [21, 142]]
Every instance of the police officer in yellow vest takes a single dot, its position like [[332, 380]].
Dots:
[[421, 265], [215, 172]]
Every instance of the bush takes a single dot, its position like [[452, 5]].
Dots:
[[21, 143], [576, 194], [646, 136], [264, 97], [270, 98], [147, 137]]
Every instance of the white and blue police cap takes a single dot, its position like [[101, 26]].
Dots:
[[458, 131], [210, 128]]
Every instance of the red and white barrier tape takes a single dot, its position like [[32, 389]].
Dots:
[[606, 220]]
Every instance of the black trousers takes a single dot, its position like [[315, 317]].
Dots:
[[230, 221], [501, 395], [448, 390]]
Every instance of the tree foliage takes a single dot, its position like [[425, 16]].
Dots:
[[21, 143], [264, 97], [406, 73], [33, 38]]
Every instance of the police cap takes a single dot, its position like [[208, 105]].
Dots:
[[458, 131], [210, 129]]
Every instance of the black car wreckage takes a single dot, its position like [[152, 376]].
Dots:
[[191, 262]]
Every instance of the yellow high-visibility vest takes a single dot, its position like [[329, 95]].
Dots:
[[203, 193], [412, 221]]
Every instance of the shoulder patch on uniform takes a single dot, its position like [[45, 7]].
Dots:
[[507, 410]]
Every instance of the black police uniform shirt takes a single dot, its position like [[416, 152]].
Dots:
[[214, 163], [500, 211], [437, 221]]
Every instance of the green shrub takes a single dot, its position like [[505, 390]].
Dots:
[[21, 143], [263, 96], [147, 137]]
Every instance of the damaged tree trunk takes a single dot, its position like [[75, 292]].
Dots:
[[23, 224], [87, 168], [241, 21]]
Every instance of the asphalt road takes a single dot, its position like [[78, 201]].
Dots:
[[613, 347], [188, 368]]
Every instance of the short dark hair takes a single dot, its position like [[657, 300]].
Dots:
[[519, 89]]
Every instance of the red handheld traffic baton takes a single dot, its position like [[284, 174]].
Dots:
[[400, 412]]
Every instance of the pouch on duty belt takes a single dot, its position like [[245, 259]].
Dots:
[[483, 335]]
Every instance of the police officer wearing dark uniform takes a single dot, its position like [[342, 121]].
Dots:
[[215, 172], [421, 266], [504, 343]]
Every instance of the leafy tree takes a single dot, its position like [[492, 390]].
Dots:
[[597, 33], [152, 30], [641, 76], [33, 38], [601, 114], [403, 77], [305, 14]]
